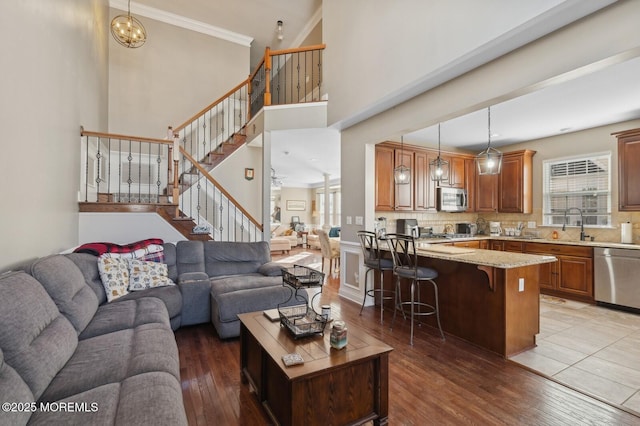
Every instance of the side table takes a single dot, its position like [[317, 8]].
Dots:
[[303, 235]]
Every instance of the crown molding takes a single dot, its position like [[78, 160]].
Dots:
[[182, 22]]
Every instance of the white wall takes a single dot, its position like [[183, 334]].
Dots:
[[125, 228], [376, 48], [174, 75], [54, 79]]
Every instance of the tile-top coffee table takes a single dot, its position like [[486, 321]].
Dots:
[[332, 387]]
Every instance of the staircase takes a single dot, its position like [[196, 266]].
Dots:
[[139, 174]]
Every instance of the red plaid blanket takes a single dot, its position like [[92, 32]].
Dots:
[[98, 249]]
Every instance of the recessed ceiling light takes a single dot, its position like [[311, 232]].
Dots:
[[495, 135], [313, 159], [565, 129]]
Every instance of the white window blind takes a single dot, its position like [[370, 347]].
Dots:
[[579, 182]]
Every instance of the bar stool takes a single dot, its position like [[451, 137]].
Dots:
[[405, 265], [374, 261]]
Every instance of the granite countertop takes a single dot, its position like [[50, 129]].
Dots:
[[604, 244], [497, 259]]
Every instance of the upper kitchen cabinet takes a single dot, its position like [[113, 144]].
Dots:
[[456, 171], [390, 196], [470, 183], [628, 170], [515, 184], [385, 186], [486, 193]]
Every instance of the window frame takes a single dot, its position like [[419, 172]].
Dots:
[[598, 199]]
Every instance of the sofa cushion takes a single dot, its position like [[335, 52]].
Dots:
[[146, 399], [144, 275], [271, 269], [170, 295], [66, 285], [227, 306], [190, 256], [88, 265], [229, 258], [126, 314], [113, 357], [114, 273], [170, 259], [13, 389], [231, 283], [37, 340]]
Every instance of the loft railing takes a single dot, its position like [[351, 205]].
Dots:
[[282, 77], [124, 169], [137, 170]]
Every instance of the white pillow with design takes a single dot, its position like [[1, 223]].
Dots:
[[145, 274], [114, 273]]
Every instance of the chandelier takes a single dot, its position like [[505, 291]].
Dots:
[[127, 30]]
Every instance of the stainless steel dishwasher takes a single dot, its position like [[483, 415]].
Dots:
[[616, 276]]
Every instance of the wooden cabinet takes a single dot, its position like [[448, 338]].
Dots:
[[456, 171], [515, 185], [496, 245], [511, 190], [571, 276], [628, 170], [420, 193], [513, 246], [467, 244], [486, 193], [385, 187], [483, 244], [470, 183]]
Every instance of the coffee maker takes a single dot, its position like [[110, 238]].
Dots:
[[495, 229]]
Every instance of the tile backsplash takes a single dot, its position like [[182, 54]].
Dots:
[[510, 220]]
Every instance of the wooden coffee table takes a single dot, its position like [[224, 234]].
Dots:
[[339, 387]]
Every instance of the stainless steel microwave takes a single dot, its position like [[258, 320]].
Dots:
[[452, 200]]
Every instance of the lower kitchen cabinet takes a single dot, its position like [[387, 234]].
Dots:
[[571, 276]]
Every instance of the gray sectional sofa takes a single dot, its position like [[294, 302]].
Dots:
[[69, 357]]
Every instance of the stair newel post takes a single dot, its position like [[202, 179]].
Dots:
[[249, 93], [176, 163], [267, 76]]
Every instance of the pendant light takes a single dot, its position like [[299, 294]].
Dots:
[[489, 161], [127, 30], [439, 168], [402, 174]]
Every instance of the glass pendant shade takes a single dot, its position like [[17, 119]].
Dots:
[[439, 168], [402, 173], [489, 161]]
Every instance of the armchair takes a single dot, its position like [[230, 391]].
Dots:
[[330, 248]]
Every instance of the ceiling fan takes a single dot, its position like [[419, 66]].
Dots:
[[276, 180]]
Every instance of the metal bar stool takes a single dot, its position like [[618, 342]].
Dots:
[[405, 265], [374, 261]]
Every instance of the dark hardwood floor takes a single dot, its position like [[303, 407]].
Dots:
[[433, 382]]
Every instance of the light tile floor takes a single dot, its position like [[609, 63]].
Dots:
[[590, 348]]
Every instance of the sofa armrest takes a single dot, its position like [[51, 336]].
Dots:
[[195, 288], [271, 269]]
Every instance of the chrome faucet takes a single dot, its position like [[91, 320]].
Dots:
[[583, 236]]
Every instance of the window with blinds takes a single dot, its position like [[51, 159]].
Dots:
[[578, 183]]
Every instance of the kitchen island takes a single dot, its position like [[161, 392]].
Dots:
[[488, 298]]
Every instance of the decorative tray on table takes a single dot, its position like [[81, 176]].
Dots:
[[301, 320], [299, 276]]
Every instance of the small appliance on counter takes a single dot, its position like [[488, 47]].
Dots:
[[408, 227], [466, 228], [495, 230]]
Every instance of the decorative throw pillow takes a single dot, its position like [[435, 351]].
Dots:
[[288, 232], [144, 275], [114, 273]]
